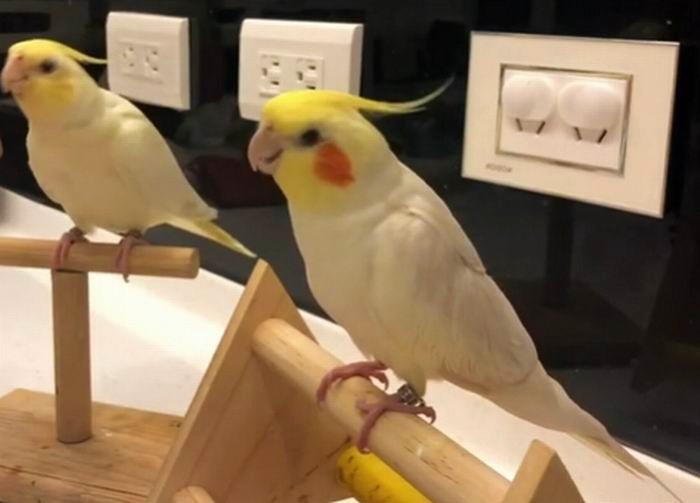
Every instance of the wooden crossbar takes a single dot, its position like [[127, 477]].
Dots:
[[146, 260]]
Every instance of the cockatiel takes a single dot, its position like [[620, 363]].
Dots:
[[97, 155], [387, 260]]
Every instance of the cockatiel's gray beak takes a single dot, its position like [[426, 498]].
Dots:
[[265, 150]]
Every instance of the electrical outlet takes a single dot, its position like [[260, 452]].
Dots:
[[149, 58], [278, 56], [587, 119]]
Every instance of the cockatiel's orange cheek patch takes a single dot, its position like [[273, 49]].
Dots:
[[333, 166]]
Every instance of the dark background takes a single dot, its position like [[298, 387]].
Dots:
[[610, 298]]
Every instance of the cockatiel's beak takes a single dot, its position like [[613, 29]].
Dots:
[[14, 75], [265, 150]]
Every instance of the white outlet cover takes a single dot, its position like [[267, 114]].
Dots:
[[169, 35], [627, 170], [336, 47], [587, 129]]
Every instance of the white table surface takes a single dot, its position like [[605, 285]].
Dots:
[[152, 340]]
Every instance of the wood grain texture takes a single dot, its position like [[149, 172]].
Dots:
[[248, 435], [192, 494], [542, 478], [145, 260], [20, 487], [119, 463], [433, 463], [71, 338]]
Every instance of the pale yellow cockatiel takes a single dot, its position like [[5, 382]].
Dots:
[[97, 155], [387, 260]]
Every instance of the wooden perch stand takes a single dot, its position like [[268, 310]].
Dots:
[[253, 432], [71, 312]]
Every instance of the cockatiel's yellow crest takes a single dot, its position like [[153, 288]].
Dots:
[[97, 155], [293, 109]]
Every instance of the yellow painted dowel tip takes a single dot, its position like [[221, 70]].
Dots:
[[370, 480]]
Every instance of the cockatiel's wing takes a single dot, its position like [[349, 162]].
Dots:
[[145, 161], [461, 327], [459, 320]]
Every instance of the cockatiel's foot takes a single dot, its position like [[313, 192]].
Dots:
[[60, 254], [405, 400], [359, 369], [130, 239]]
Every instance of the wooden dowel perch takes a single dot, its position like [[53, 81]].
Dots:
[[146, 260], [436, 465]]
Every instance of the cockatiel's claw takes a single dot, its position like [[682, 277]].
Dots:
[[388, 403], [367, 370], [60, 254], [127, 243]]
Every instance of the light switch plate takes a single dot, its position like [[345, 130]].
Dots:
[[277, 56], [149, 58], [601, 117]]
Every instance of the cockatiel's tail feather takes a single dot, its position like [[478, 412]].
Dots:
[[213, 232], [48, 46], [541, 400], [616, 453]]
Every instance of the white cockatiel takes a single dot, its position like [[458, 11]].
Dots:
[[97, 155], [387, 260]]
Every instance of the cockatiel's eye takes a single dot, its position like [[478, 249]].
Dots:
[[47, 66], [309, 138]]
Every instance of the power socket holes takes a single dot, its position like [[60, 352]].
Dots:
[[140, 60], [278, 56], [149, 58], [309, 72]]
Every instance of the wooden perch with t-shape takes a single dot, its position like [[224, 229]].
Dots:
[[35, 427], [253, 432]]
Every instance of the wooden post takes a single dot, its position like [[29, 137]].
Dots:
[[71, 321]]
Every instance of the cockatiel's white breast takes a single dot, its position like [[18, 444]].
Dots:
[[338, 268], [88, 169]]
